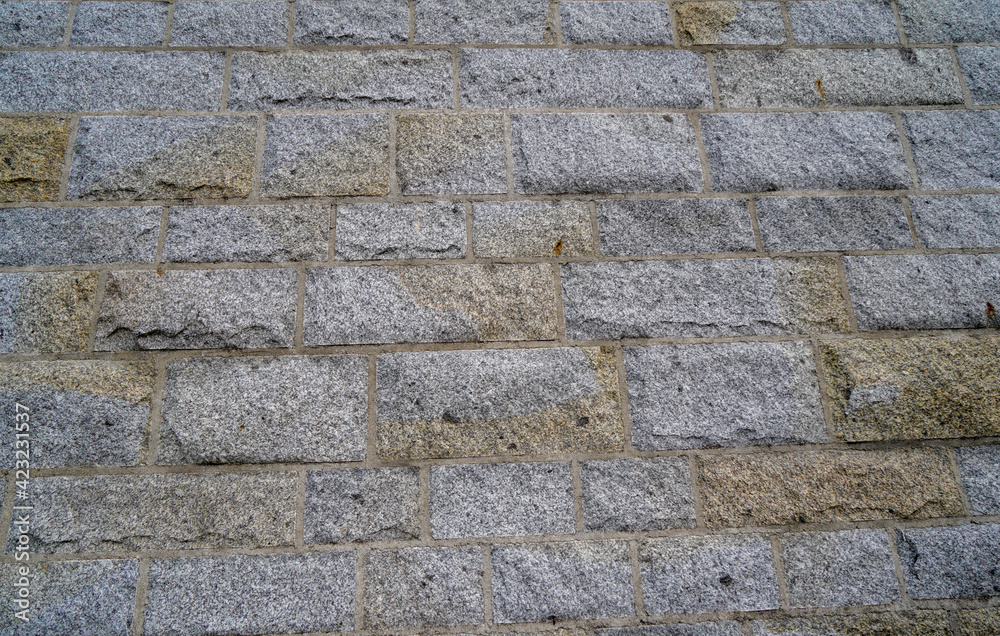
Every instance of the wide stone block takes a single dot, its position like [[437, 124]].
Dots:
[[637, 494], [980, 470], [46, 312], [722, 628], [911, 623], [28, 23], [352, 22], [114, 24], [674, 226], [843, 22], [815, 224], [981, 67], [364, 504], [950, 562], [399, 231], [451, 154], [955, 149], [230, 23], [31, 157], [700, 23], [518, 229], [616, 22], [962, 220], [484, 22], [951, 20]]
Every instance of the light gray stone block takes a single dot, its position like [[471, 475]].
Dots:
[[951, 20], [515, 229], [964, 220], [674, 226], [722, 628], [352, 22], [398, 231], [484, 22], [365, 504], [230, 23], [811, 224], [955, 149], [981, 67], [701, 23], [27, 23], [117, 24], [629, 495], [451, 154], [46, 312], [980, 468], [616, 22], [843, 22], [951, 561]]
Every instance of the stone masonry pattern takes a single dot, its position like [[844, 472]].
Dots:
[[442, 317]]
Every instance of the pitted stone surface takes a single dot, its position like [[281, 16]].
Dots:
[[517, 229], [980, 470], [674, 226], [351, 22], [955, 149], [30, 23], [969, 220], [912, 623], [637, 494], [812, 224], [387, 231], [116, 24], [615, 22], [46, 312], [981, 66], [729, 23], [950, 20], [230, 23], [843, 22], [484, 22], [451, 154], [363, 504], [31, 157], [950, 561]]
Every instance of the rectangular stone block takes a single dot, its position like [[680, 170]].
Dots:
[[497, 402], [230, 23], [32, 151], [912, 623], [365, 504], [963, 220], [701, 23], [981, 622], [399, 231], [429, 303], [440, 153], [79, 412], [27, 23], [341, 79], [674, 226], [708, 574], [616, 22], [629, 495], [519, 229], [485, 22], [114, 24], [843, 22], [913, 388], [352, 22], [739, 394], [980, 470], [46, 312], [264, 410], [722, 628], [804, 151], [955, 149], [951, 20], [239, 594], [161, 512], [139, 158], [981, 67], [947, 291], [951, 561], [695, 298], [595, 78], [197, 309], [817, 224], [827, 486], [536, 582]]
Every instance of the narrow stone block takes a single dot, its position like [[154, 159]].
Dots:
[[963, 220], [230, 23], [365, 504], [485, 22], [451, 154], [955, 149], [722, 628], [981, 622], [729, 23], [674, 226], [950, 562], [843, 22], [981, 67], [46, 312], [27, 23], [637, 494], [912, 623], [980, 469], [951, 20], [517, 229], [31, 157], [816, 224], [398, 231], [116, 24], [352, 22], [616, 22]]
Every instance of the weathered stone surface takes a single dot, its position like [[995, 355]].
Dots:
[[80, 412], [424, 587], [674, 226], [365, 504], [429, 303], [948, 291], [352, 22], [722, 628], [828, 569], [230, 23], [108, 81], [708, 574], [914, 623], [513, 229], [951, 561], [955, 149], [739, 394], [341, 79], [616, 22], [46, 312], [163, 158], [71, 236], [264, 410], [981, 66], [823, 486], [843, 22], [395, 231], [558, 581], [913, 388], [197, 309], [326, 155], [689, 298], [484, 22], [951, 20], [27, 23], [216, 233], [71, 597], [161, 512], [499, 402], [439, 153], [282, 593], [116, 24], [500, 500], [557, 153], [31, 157], [980, 470], [813, 224], [637, 494], [729, 23], [545, 78], [963, 220], [981, 622], [804, 151]]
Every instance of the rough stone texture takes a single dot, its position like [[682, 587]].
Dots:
[[955, 149], [637, 494], [674, 226], [569, 153], [107, 81], [275, 233], [950, 562], [950, 20], [828, 569], [804, 151], [846, 22], [500, 500], [326, 155], [264, 410], [365, 504], [722, 628], [424, 587], [813, 224], [388, 231], [116, 24], [980, 469], [31, 157], [558, 581], [485, 22], [429, 303], [72, 597], [825, 486], [497, 402], [341, 79], [964, 220], [516, 229], [692, 298], [161, 512], [981, 67], [541, 78], [982, 622], [708, 574], [81, 412], [913, 623], [913, 388], [197, 309], [948, 291], [729, 23], [46, 312], [239, 594], [163, 158], [616, 22], [739, 394], [32, 23], [230, 23], [440, 153], [72, 236], [351, 22]]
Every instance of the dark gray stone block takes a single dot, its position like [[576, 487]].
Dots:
[[951, 20], [980, 468], [483, 22], [352, 22], [808, 224], [963, 220], [981, 66], [637, 494], [951, 561], [117, 24], [616, 22], [674, 226], [398, 231], [28, 23], [364, 504], [955, 149], [230, 23], [843, 22]]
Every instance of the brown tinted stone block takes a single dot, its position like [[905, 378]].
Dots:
[[31, 157]]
